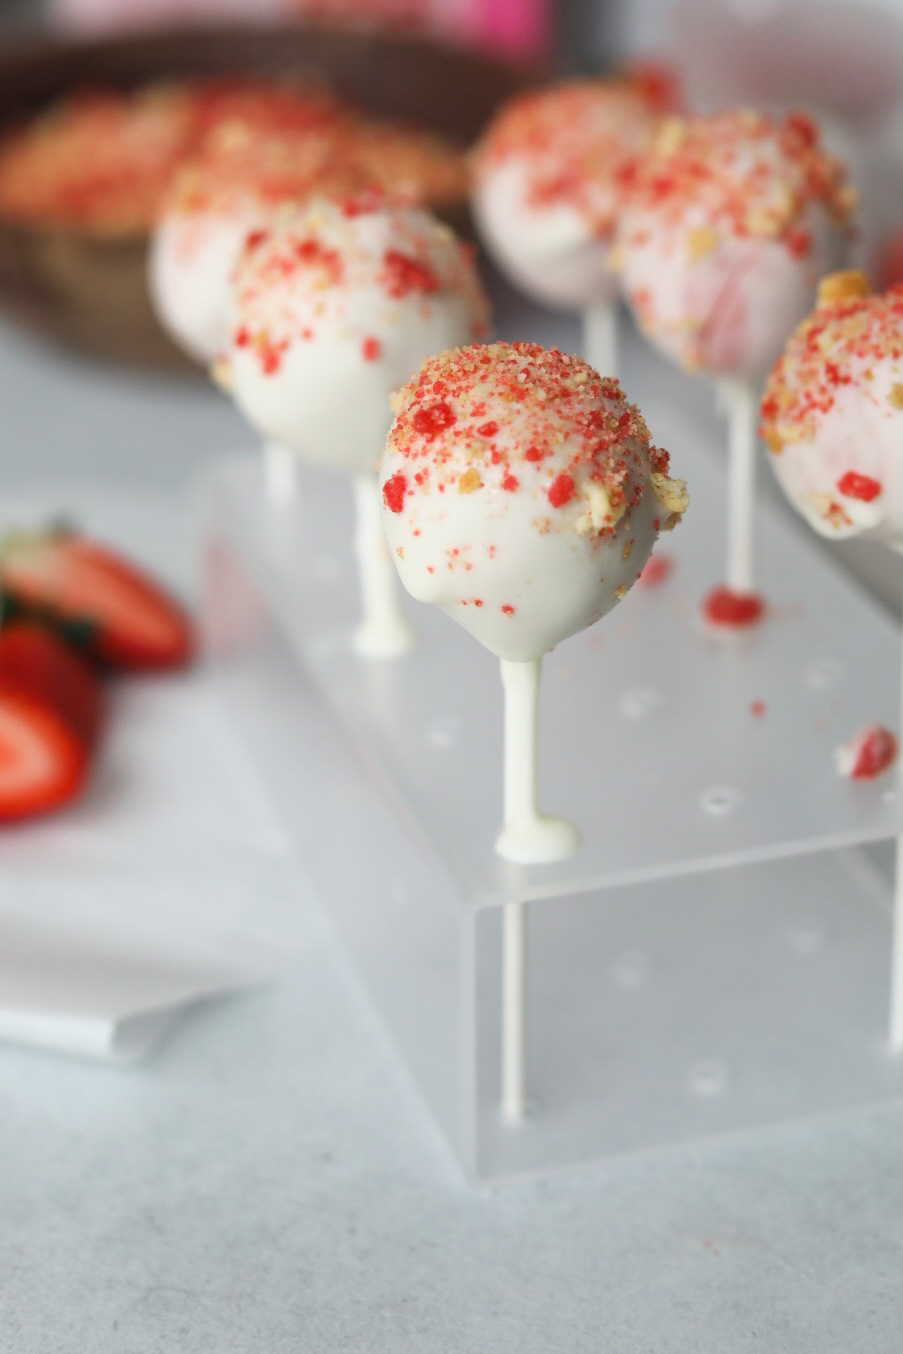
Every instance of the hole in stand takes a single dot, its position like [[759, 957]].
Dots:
[[631, 970], [639, 703], [443, 732], [804, 940], [720, 800], [823, 674], [708, 1078]]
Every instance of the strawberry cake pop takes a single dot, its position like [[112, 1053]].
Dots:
[[832, 415], [731, 220], [549, 178], [522, 495], [231, 188], [332, 307]]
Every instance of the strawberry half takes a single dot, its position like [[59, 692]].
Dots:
[[50, 717], [130, 622]]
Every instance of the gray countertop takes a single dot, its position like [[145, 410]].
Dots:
[[269, 1181]]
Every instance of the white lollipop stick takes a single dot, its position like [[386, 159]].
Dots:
[[280, 475], [514, 1011], [529, 838], [739, 400], [384, 631], [600, 337]]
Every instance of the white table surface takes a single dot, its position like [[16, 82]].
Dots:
[[268, 1180]]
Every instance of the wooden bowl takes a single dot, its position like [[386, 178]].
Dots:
[[89, 292]]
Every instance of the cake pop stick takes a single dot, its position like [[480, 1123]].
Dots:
[[549, 179], [332, 307], [832, 417], [731, 219], [740, 401], [600, 336], [522, 495]]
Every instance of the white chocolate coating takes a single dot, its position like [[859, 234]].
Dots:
[[731, 222], [551, 253], [191, 262], [548, 185], [332, 311], [833, 414], [521, 494], [232, 188]]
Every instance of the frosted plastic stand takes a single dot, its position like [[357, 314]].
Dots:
[[716, 956]]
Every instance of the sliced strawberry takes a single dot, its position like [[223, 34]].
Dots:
[[132, 623], [36, 661], [50, 716]]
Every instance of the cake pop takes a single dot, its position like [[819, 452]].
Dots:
[[257, 160], [522, 495], [227, 191], [549, 177], [731, 221], [332, 307], [832, 416]]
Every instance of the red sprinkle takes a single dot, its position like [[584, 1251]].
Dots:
[[510, 482], [561, 490], [656, 569], [432, 419], [404, 275], [394, 491], [799, 242], [508, 609], [242, 337], [371, 349], [728, 608], [256, 237], [757, 708], [488, 429], [875, 750], [854, 485], [533, 454]]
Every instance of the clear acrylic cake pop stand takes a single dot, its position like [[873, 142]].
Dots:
[[715, 958]]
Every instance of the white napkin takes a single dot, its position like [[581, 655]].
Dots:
[[168, 882]]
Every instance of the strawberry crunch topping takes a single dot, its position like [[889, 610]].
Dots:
[[578, 141], [840, 345], [740, 174], [726, 608], [541, 401], [869, 753], [308, 270]]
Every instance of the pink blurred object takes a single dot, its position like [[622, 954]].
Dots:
[[517, 27]]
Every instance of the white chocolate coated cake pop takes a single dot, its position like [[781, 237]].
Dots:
[[522, 493], [731, 221], [833, 413], [230, 189], [549, 178], [332, 307]]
